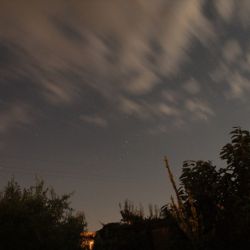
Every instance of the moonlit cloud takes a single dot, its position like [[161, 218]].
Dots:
[[58, 93], [239, 87], [13, 116], [192, 86], [231, 51], [123, 52], [171, 96], [199, 109], [189, 22], [142, 83], [225, 8], [243, 12], [94, 120], [132, 108], [168, 110]]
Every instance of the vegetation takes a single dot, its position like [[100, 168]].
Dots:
[[38, 218], [211, 208], [213, 204], [131, 214], [137, 231]]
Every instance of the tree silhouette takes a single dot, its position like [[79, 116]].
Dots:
[[38, 218], [213, 205]]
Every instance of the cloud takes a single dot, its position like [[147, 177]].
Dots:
[[131, 107], [142, 83], [239, 86], [58, 93], [200, 110], [192, 87], [171, 96], [14, 115], [225, 8], [79, 37], [168, 110], [243, 7], [231, 51], [189, 22], [220, 72], [130, 53], [228, 9], [232, 71], [95, 120]]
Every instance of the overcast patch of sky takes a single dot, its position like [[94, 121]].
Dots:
[[126, 56]]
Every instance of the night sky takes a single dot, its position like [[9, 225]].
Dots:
[[94, 93]]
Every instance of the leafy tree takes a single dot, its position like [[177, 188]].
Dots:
[[38, 218], [213, 205], [235, 190]]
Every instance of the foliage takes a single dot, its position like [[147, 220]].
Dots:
[[140, 231], [131, 214], [38, 218], [213, 205]]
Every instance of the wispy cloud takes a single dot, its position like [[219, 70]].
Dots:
[[125, 51], [168, 110], [233, 71], [231, 51], [53, 46], [192, 86], [239, 87], [59, 93], [131, 107], [94, 120], [225, 8], [14, 115], [199, 109]]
